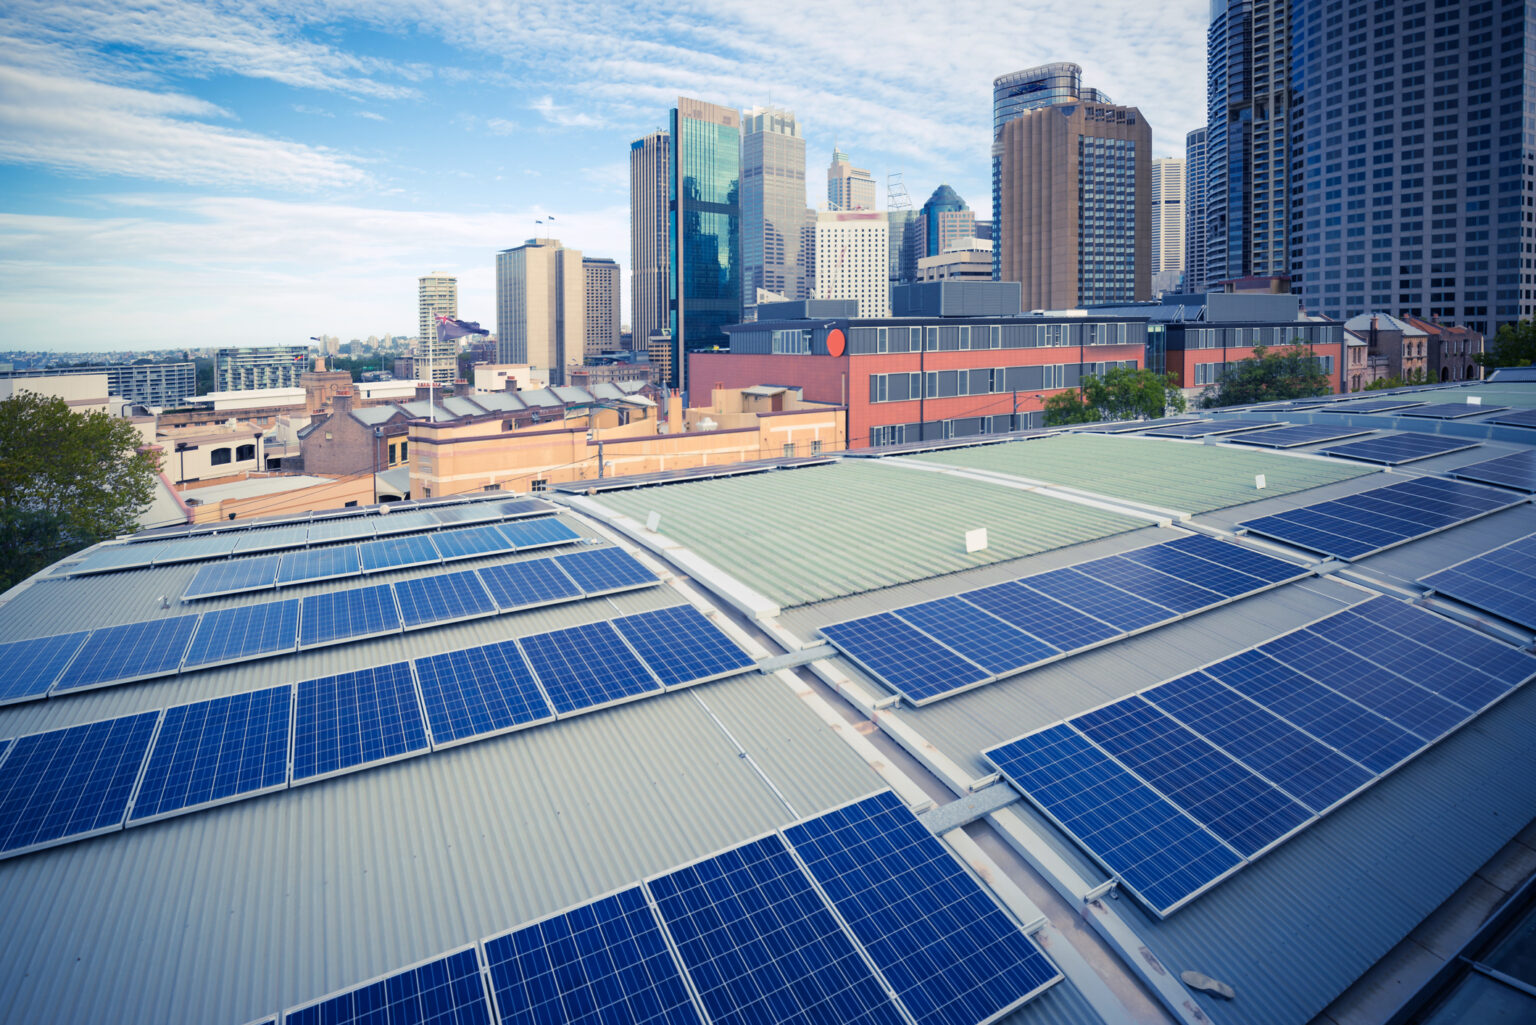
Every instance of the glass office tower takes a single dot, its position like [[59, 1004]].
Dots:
[[703, 229]]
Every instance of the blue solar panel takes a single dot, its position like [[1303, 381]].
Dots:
[[134, 651], [342, 528], [193, 549], [904, 658], [468, 512], [761, 946], [521, 507], [521, 585], [32, 666], [538, 533], [268, 539], [1300, 434], [1153, 585], [1521, 418], [979, 636], [1228, 583], [1376, 405], [1502, 582], [470, 542], [1319, 532], [477, 692], [348, 615], [1517, 471], [405, 522], [444, 598], [1399, 448], [1158, 852], [211, 751], [445, 991], [121, 556], [357, 718], [603, 962], [1124, 611], [1205, 428], [318, 564], [231, 576], [397, 552], [682, 646], [950, 953], [1232, 802], [1451, 410], [586, 667], [247, 631], [71, 783], [1034, 613], [1236, 557], [605, 569]]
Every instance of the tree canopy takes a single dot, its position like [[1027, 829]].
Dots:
[[1293, 372], [67, 480], [1513, 346], [1121, 394]]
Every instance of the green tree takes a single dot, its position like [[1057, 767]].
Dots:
[[67, 480], [1293, 372], [1121, 394], [1411, 378], [1513, 346]]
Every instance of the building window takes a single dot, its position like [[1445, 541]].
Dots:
[[816, 448], [393, 455], [245, 453], [789, 449], [219, 457], [539, 485]]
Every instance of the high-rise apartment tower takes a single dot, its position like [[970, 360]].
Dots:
[[1194, 211], [601, 282], [437, 295], [1167, 223]]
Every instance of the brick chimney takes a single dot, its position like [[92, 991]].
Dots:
[[341, 402], [463, 388]]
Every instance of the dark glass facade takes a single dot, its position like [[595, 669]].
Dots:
[[704, 229]]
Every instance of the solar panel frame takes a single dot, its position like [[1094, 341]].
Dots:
[[341, 528], [104, 659], [470, 542], [1179, 595], [1231, 584], [367, 602], [682, 647], [412, 521], [393, 734], [233, 576], [1297, 435], [397, 553], [311, 565], [1451, 410], [456, 597], [1025, 608], [999, 647], [1516, 470], [465, 513], [1376, 405], [1210, 428], [520, 508], [1399, 449], [1076, 589], [546, 532], [903, 658], [223, 636], [584, 668], [606, 570], [111, 558], [267, 539], [1519, 418], [1127, 426], [470, 694], [34, 665], [1493, 582], [195, 549], [455, 974], [528, 584]]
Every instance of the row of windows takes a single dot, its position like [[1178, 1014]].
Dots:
[[960, 427], [944, 384], [241, 454]]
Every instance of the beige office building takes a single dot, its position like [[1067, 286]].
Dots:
[[601, 281], [541, 307], [849, 187], [853, 259], [1075, 185]]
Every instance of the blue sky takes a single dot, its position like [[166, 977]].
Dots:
[[185, 173]]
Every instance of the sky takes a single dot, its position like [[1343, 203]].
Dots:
[[193, 173]]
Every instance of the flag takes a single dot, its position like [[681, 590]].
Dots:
[[448, 328], [550, 216]]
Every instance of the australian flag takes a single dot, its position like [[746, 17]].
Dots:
[[448, 328]]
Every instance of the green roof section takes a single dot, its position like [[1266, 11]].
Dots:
[[857, 527], [1169, 474]]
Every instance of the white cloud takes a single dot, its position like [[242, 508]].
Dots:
[[564, 117], [304, 108], [500, 126], [370, 115]]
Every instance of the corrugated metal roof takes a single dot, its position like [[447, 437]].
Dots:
[[816, 533], [499, 400], [375, 415], [1168, 474], [460, 406]]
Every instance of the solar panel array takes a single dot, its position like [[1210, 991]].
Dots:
[[1375, 406], [932, 650], [1208, 428], [447, 990], [1297, 435], [1501, 581], [1127, 426], [1353, 527], [1399, 448], [309, 565], [71, 783], [244, 539], [1176, 787], [161, 647], [1451, 410], [1519, 418], [1517, 470]]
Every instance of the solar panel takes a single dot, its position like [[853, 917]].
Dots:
[[444, 598], [192, 549], [1375, 406], [1033, 612], [924, 921], [405, 522], [32, 666], [268, 539], [1171, 592], [478, 692], [318, 564], [602, 570], [1224, 581], [134, 651], [1127, 426], [116, 557], [397, 552], [606, 961], [469, 542], [1236, 557], [913, 664], [71, 783], [1299, 434], [467, 512], [979, 636], [1451, 410], [522, 507], [359, 718], [247, 631], [1519, 418], [348, 615], [342, 528], [1208, 428], [1502, 581], [447, 990], [213, 751], [538, 533], [232, 576], [521, 585], [681, 646], [1517, 471], [1126, 612], [761, 946], [586, 667], [1399, 448]]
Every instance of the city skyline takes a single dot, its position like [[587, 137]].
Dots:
[[197, 174]]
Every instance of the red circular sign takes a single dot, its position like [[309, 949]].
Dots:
[[836, 342]]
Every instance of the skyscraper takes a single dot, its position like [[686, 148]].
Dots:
[[437, 295], [773, 210], [1194, 211], [1416, 183], [944, 220], [649, 173], [903, 261], [848, 187], [852, 259], [703, 229], [1167, 223], [601, 285], [541, 307]]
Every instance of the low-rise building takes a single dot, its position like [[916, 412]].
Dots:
[[1451, 351], [160, 385], [967, 260], [1404, 345]]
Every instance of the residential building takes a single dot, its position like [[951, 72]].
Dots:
[[650, 278], [773, 211], [1413, 130], [1075, 226], [367, 440], [966, 260], [943, 220], [436, 359], [1168, 205], [541, 307], [853, 259], [273, 366], [161, 385], [1194, 211], [1403, 345], [1452, 351], [848, 187], [703, 228], [603, 295]]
